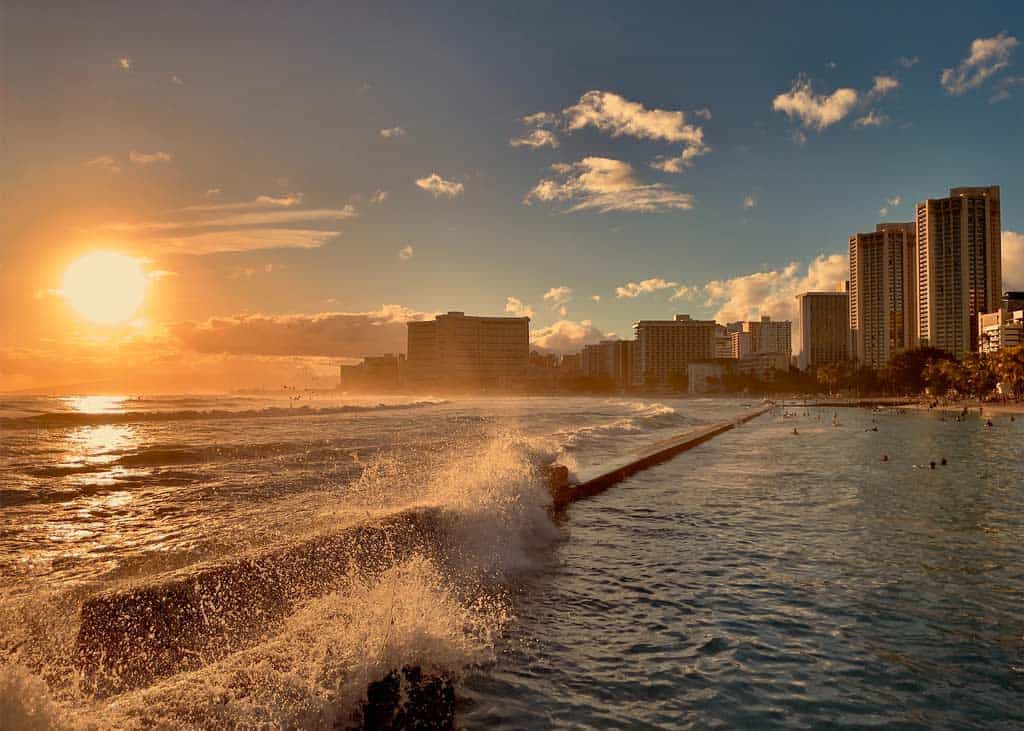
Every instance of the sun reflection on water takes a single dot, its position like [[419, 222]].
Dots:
[[95, 404]]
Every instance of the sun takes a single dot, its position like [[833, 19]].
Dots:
[[105, 286]]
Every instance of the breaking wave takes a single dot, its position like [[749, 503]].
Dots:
[[438, 604]]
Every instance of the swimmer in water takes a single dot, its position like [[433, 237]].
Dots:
[[943, 462], [932, 464], [885, 457], [795, 432], [988, 422]]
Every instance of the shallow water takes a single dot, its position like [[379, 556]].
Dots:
[[766, 579], [760, 579]]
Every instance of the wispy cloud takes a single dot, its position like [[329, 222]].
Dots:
[[406, 252], [889, 204], [518, 308], [177, 80], [595, 297], [212, 193], [148, 158], [200, 243], [391, 132], [815, 111], [1003, 87], [379, 197], [536, 138], [288, 200], [908, 61], [557, 296], [987, 57], [605, 185], [873, 118], [124, 63], [631, 290], [105, 162], [749, 202], [438, 186]]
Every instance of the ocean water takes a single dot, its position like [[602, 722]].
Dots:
[[761, 579]]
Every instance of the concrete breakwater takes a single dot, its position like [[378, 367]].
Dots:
[[565, 492], [189, 618]]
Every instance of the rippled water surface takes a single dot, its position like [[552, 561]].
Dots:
[[771, 579], [761, 579]]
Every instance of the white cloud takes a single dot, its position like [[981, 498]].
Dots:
[[566, 336], [617, 116], [635, 289], [535, 139], [987, 57], [105, 162], [815, 111], [177, 80], [605, 185], [558, 295], [1013, 260], [684, 292], [406, 252], [889, 203], [212, 193], [515, 306], [774, 292], [438, 186], [391, 132], [883, 85], [124, 63], [563, 311], [907, 61], [873, 118], [148, 158], [379, 197], [595, 297], [749, 202]]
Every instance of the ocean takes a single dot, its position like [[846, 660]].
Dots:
[[763, 579]]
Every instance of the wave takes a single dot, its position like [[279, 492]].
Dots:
[[301, 627], [644, 417], [55, 419]]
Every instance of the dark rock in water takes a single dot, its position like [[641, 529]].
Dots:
[[409, 700]]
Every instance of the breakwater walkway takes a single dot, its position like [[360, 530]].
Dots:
[[567, 492]]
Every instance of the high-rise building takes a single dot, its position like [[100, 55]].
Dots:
[[665, 347], [456, 349], [824, 328], [740, 344], [959, 267], [883, 284], [609, 359]]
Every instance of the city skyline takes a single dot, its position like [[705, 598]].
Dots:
[[294, 200]]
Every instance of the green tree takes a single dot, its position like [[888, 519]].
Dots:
[[978, 377], [906, 368], [1009, 367]]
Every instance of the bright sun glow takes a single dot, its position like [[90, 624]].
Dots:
[[105, 286]]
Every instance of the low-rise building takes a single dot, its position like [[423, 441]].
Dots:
[[1000, 330], [762, 366], [704, 377]]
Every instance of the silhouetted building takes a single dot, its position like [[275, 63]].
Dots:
[[460, 350], [665, 347], [383, 372], [609, 359], [883, 284], [959, 266], [824, 328]]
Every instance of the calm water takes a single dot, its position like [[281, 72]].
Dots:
[[762, 579]]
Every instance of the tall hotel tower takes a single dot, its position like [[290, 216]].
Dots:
[[959, 269], [883, 284]]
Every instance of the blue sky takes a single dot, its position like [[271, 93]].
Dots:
[[224, 103]]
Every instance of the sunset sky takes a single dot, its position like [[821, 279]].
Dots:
[[296, 182]]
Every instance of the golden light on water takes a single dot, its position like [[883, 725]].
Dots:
[[105, 287]]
